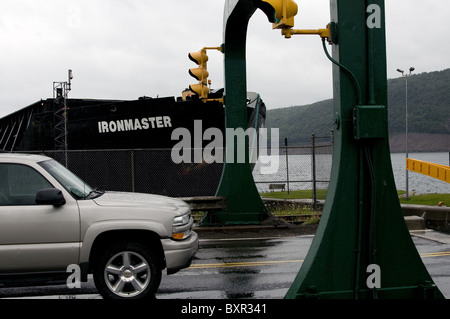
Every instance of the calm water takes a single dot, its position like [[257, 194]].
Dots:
[[300, 172]]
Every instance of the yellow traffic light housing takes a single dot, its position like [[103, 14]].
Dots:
[[284, 13], [201, 72], [201, 89], [199, 57]]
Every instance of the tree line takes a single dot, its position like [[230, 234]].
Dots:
[[428, 110]]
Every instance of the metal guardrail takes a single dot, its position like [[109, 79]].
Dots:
[[297, 219], [205, 203]]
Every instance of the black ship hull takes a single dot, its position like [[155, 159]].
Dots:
[[124, 145]]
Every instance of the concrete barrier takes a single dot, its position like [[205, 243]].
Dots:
[[416, 216]]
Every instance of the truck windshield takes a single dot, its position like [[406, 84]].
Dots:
[[72, 183]]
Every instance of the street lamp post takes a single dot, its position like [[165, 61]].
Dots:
[[411, 69]]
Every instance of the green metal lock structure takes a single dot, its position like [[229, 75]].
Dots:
[[244, 204], [362, 233], [362, 248]]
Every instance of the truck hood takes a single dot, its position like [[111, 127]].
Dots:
[[157, 202]]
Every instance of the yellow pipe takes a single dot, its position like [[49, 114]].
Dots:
[[324, 33], [213, 48]]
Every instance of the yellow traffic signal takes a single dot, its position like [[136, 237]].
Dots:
[[199, 57], [201, 89], [284, 12], [201, 73]]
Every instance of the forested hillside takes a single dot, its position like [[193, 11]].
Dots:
[[428, 114]]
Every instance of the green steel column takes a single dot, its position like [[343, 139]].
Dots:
[[244, 204], [362, 248]]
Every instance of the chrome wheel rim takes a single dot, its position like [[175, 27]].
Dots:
[[127, 274]]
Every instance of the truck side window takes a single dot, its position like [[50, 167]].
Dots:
[[19, 184]]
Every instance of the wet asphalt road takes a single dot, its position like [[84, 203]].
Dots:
[[241, 269], [235, 269]]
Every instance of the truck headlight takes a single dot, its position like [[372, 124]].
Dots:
[[181, 220]]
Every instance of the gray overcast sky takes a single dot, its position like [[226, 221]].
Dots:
[[123, 49]]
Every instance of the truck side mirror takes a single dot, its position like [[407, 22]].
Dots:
[[50, 196]]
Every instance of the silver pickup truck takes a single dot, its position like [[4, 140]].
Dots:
[[50, 220]]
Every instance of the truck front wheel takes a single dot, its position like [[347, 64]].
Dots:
[[127, 271]]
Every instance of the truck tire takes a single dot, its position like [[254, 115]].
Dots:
[[127, 271]]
